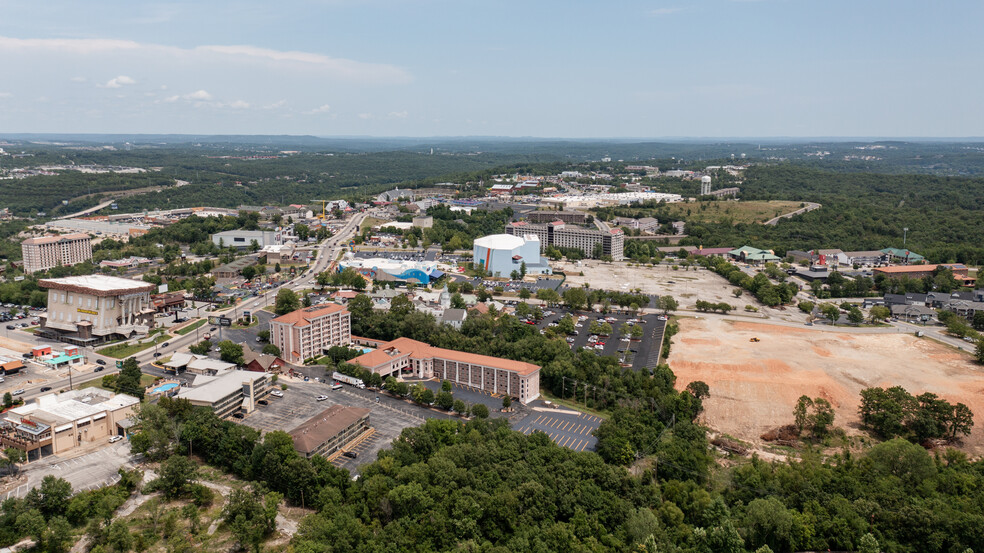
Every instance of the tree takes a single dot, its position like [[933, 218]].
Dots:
[[479, 410], [263, 335], [248, 272], [978, 352], [879, 313], [286, 302], [446, 386], [50, 498], [231, 352], [58, 535], [737, 292], [522, 270], [457, 301], [201, 348], [667, 304], [868, 544], [8, 400], [576, 298], [444, 400], [459, 406], [855, 316], [815, 415], [302, 231], [830, 312], [524, 293], [566, 325], [128, 381], [699, 389], [175, 475], [506, 402], [271, 349]]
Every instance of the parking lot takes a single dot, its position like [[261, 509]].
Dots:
[[469, 395], [646, 354], [85, 472], [388, 416], [566, 428]]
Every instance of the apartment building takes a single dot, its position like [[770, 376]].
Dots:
[[307, 332], [572, 217], [330, 430], [45, 252], [559, 234], [491, 374]]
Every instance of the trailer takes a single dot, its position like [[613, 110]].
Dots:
[[351, 380]]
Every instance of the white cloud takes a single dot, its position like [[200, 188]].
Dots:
[[658, 12], [198, 95], [398, 114], [320, 109], [276, 105], [237, 104], [339, 68], [78, 79], [119, 82], [365, 116], [6, 95]]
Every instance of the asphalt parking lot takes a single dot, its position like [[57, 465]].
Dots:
[[84, 472], [647, 349], [388, 417], [470, 396], [566, 428]]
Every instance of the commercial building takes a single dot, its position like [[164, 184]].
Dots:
[[101, 226], [243, 239], [959, 270], [308, 332], [423, 221], [502, 254], [896, 255], [644, 224], [377, 268], [755, 256], [570, 217], [329, 431], [46, 252], [86, 310], [494, 375], [229, 392], [234, 268], [57, 423], [559, 234]]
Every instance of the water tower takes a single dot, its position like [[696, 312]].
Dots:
[[705, 185]]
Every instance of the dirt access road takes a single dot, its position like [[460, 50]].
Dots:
[[754, 385]]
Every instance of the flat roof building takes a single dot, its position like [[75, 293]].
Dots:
[[308, 332], [560, 235], [228, 393], [56, 423], [491, 374], [90, 309], [243, 239], [46, 252], [329, 431]]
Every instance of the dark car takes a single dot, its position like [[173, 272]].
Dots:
[[262, 402], [213, 329], [350, 454], [165, 344], [100, 362], [97, 369], [157, 354], [238, 415], [11, 327], [45, 389]]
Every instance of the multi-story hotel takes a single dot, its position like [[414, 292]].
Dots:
[[559, 234], [46, 252], [85, 310], [307, 332], [491, 374]]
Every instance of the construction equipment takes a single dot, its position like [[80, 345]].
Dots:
[[323, 204], [754, 339]]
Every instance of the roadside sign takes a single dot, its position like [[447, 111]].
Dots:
[[119, 364], [225, 321], [246, 315]]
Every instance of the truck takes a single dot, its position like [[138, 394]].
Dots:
[[351, 380]]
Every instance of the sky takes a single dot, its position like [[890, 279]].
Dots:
[[543, 68]]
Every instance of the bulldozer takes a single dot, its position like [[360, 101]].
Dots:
[[754, 339]]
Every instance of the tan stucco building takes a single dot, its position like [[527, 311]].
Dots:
[[90, 309], [307, 332], [56, 423], [45, 252]]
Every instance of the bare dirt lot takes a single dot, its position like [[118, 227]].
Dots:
[[754, 386], [686, 286]]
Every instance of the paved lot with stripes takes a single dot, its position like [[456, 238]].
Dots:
[[572, 431], [85, 472]]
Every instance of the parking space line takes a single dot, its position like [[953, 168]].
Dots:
[[569, 438]]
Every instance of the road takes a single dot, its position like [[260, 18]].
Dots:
[[810, 206]]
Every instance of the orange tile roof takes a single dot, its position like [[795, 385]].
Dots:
[[420, 350], [905, 269], [302, 317]]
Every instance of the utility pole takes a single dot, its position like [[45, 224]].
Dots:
[[905, 233]]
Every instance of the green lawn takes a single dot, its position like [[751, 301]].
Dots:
[[122, 351], [254, 321], [145, 380], [191, 327]]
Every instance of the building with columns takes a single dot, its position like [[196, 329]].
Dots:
[[404, 356], [87, 310]]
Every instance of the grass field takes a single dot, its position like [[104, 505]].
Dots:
[[191, 327], [122, 351], [731, 212], [370, 222]]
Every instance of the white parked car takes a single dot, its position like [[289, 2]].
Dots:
[[277, 393], [322, 398], [115, 439]]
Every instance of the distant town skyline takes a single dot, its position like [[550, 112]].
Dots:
[[705, 68]]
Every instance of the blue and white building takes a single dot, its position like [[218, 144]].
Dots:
[[501, 254]]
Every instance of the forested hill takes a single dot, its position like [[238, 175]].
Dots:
[[862, 211]]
